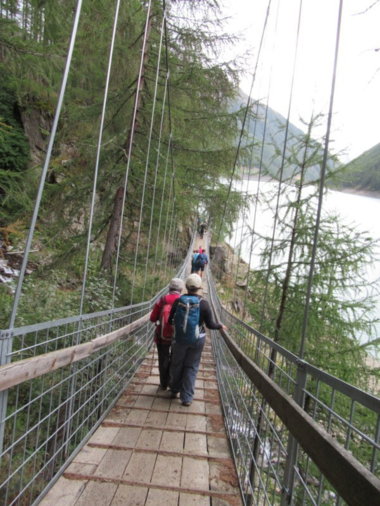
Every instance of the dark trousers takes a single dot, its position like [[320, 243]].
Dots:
[[184, 368], [164, 354]]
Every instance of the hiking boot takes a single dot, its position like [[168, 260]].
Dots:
[[173, 395], [186, 403], [161, 387]]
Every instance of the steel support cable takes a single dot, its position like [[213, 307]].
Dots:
[[53, 132], [244, 119], [169, 150], [238, 244], [98, 150], [168, 221], [7, 345], [260, 421], [162, 202], [131, 138], [147, 161], [171, 234], [256, 205], [282, 162], [261, 156], [321, 185], [154, 188]]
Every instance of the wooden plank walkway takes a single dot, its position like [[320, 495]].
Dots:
[[151, 450]]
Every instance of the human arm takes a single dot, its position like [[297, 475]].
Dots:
[[207, 318]]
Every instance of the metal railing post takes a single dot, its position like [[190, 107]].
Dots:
[[292, 447], [6, 338]]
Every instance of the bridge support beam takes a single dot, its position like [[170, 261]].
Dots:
[[292, 448]]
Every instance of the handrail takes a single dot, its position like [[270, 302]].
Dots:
[[365, 398], [17, 372], [351, 479], [309, 433]]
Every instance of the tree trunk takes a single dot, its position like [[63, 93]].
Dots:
[[113, 230], [115, 221]]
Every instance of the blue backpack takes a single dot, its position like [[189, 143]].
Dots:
[[186, 319], [201, 260]]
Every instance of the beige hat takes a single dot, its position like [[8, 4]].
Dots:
[[176, 284], [193, 282]]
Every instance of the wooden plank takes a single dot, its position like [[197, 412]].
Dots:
[[29, 368], [158, 497], [97, 493], [167, 471], [197, 500], [195, 474], [149, 439], [126, 495], [90, 455], [156, 418], [140, 467], [64, 492], [218, 446], [127, 436], [104, 435], [176, 420], [196, 443], [196, 422], [114, 463], [136, 416], [172, 441]]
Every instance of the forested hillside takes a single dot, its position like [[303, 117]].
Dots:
[[272, 131], [362, 173], [165, 119]]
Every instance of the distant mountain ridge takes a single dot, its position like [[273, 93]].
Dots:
[[274, 140], [362, 173]]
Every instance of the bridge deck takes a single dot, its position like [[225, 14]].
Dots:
[[152, 450]]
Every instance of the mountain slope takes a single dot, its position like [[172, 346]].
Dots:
[[362, 173], [275, 131]]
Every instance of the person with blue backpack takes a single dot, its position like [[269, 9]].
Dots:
[[190, 314], [201, 262], [164, 331]]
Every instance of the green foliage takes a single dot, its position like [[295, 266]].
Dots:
[[363, 173], [341, 303]]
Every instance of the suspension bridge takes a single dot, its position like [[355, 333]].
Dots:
[[82, 420]]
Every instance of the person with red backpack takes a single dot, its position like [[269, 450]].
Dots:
[[164, 331]]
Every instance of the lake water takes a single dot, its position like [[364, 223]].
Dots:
[[360, 211]]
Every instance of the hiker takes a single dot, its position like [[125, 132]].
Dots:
[[202, 229], [194, 261], [164, 331], [189, 314], [201, 262]]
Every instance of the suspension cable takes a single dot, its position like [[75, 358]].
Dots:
[[154, 184], [96, 171], [261, 163], [321, 186], [131, 138], [147, 157], [244, 120], [237, 243], [53, 132], [282, 161], [162, 203]]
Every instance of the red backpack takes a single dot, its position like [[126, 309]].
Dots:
[[166, 330]]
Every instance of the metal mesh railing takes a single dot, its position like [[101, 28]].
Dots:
[[273, 467], [44, 421]]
